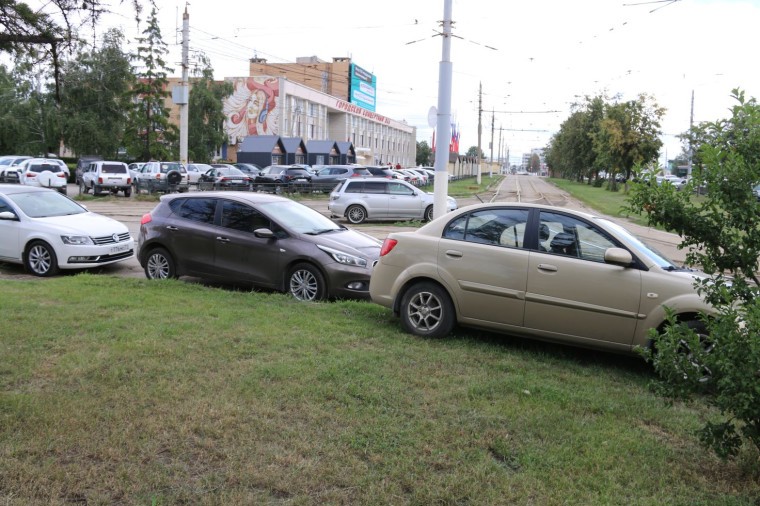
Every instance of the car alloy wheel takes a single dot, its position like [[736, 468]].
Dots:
[[356, 214], [160, 265], [41, 259], [306, 282], [426, 310]]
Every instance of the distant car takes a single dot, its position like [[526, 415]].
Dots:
[[330, 175], [676, 181], [82, 164], [277, 178], [103, 175], [266, 240], [536, 271], [249, 169], [194, 171], [46, 232], [43, 172], [380, 171], [424, 176], [134, 169], [225, 177], [9, 167], [165, 177], [360, 199]]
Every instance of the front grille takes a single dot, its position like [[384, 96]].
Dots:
[[108, 239]]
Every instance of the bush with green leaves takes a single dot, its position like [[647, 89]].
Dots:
[[718, 217]]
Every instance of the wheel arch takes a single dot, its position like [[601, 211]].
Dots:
[[422, 279], [283, 285], [149, 246]]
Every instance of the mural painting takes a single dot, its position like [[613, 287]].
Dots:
[[252, 109]]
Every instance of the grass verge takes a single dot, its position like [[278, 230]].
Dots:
[[135, 392]]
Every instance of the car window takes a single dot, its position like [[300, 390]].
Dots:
[[375, 187], [200, 210], [113, 168], [399, 189], [241, 217], [573, 237], [354, 187], [498, 227], [4, 206]]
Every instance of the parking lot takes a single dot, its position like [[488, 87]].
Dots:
[[513, 188]]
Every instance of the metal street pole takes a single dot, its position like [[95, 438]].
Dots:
[[443, 125], [185, 88]]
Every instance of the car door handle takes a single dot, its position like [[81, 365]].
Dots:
[[222, 239], [172, 228], [454, 253], [547, 267]]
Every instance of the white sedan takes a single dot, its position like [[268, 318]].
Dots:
[[46, 231]]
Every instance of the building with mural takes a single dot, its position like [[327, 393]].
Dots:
[[315, 101]]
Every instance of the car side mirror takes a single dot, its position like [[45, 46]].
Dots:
[[263, 233], [618, 256], [7, 215]]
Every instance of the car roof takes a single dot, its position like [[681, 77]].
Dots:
[[250, 197]]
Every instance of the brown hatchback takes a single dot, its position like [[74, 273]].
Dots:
[[265, 240]]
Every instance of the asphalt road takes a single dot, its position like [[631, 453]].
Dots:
[[512, 189]]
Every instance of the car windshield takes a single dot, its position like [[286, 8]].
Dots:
[[42, 167], [650, 252], [113, 168], [299, 218], [229, 171], [45, 204]]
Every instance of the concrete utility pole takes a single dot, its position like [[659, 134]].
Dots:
[[480, 127], [443, 125], [185, 88], [493, 119]]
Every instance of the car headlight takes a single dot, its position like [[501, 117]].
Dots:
[[343, 258], [77, 240]]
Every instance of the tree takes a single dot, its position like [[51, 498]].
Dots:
[[473, 152], [719, 230], [424, 154], [149, 132], [534, 165], [570, 153], [94, 101], [629, 135], [206, 118]]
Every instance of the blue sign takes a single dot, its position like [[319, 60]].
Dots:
[[363, 88]]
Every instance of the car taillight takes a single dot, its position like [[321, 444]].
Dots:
[[158, 176], [61, 174], [355, 175], [31, 174], [100, 180], [388, 245], [147, 218]]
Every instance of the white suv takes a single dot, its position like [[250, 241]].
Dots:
[[106, 176], [164, 177], [44, 172], [360, 199]]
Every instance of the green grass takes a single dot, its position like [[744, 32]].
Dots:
[[125, 391], [599, 198]]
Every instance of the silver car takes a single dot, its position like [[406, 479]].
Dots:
[[360, 199], [536, 271]]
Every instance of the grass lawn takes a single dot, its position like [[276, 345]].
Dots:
[[604, 201], [125, 391]]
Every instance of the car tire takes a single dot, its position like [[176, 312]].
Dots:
[[356, 214], [429, 213], [427, 311], [40, 259], [127, 192], [83, 188], [160, 265], [95, 189], [306, 283]]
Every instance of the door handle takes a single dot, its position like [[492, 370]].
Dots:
[[222, 239], [454, 253], [547, 267], [172, 228]]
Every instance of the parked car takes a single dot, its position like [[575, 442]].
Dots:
[[82, 164], [676, 181], [9, 167], [380, 171], [421, 174], [166, 177], [44, 172], [330, 175], [360, 199], [134, 170], [194, 171], [249, 169], [266, 240], [46, 231], [225, 177], [106, 176], [277, 178], [536, 271]]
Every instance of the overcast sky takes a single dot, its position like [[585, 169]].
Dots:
[[548, 54]]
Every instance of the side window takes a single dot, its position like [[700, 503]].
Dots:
[[200, 210], [354, 187], [241, 217], [375, 187], [573, 237], [498, 227], [4, 207], [399, 189]]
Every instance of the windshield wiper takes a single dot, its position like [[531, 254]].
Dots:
[[323, 231]]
